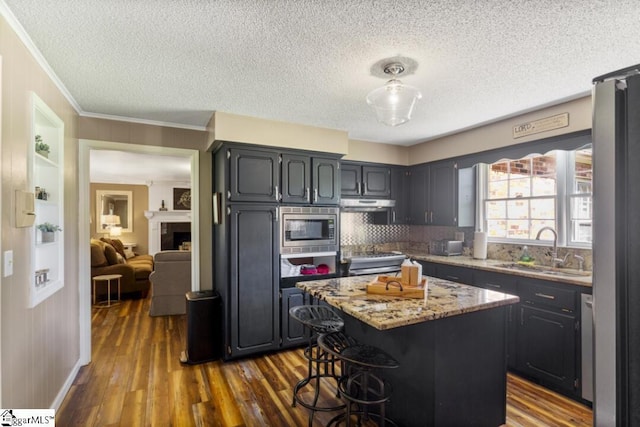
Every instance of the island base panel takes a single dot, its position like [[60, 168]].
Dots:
[[452, 371]]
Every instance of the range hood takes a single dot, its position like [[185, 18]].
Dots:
[[365, 205]]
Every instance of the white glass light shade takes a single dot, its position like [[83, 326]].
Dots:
[[394, 102], [110, 219]]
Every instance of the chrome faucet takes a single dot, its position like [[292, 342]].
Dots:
[[580, 261], [554, 254]]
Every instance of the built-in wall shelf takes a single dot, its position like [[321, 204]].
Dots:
[[47, 183]]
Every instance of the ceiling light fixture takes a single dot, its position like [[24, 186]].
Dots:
[[394, 101]]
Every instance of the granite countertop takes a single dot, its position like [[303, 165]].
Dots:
[[570, 276], [443, 299]]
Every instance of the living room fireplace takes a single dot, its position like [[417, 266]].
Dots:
[[174, 234]]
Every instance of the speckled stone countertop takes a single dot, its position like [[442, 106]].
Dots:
[[580, 278], [443, 299]]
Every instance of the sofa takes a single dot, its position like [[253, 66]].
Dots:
[[170, 281], [108, 256]]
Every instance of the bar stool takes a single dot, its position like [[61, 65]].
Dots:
[[320, 320], [361, 383]]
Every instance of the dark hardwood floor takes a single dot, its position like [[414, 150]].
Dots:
[[136, 379]]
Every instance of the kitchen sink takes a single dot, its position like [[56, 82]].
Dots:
[[543, 269]]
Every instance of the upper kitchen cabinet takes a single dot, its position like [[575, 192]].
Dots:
[[399, 192], [254, 175], [364, 180], [307, 179], [433, 194]]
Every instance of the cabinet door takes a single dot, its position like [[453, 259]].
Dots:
[[377, 181], [399, 191], [418, 187], [254, 175], [254, 280], [443, 194], [296, 179], [455, 273], [293, 332], [326, 181], [350, 179], [547, 346], [507, 284]]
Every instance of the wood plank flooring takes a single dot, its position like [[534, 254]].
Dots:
[[135, 379]]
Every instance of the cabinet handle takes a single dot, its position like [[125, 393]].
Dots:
[[426, 217], [363, 188], [228, 195], [276, 195], [538, 294], [431, 217], [452, 278], [493, 285], [306, 194], [393, 216], [315, 195]]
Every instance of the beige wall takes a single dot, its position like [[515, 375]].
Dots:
[[142, 134], [252, 130], [140, 234], [41, 344], [378, 153], [500, 134]]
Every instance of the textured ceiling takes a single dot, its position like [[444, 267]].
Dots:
[[312, 61]]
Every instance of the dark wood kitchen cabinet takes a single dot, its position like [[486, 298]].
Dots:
[[433, 193], [252, 298], [547, 346], [307, 179], [365, 180], [507, 284], [293, 332], [399, 192], [254, 175]]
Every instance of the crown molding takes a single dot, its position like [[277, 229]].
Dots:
[[141, 121]]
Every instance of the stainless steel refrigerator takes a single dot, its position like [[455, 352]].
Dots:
[[616, 247]]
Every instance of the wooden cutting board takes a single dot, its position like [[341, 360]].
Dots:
[[393, 287]]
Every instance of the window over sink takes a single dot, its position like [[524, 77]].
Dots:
[[521, 196]]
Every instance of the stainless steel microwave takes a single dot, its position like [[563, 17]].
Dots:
[[308, 229]]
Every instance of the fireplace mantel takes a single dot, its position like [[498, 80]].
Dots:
[[168, 215]]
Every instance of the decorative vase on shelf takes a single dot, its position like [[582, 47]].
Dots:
[[48, 236], [162, 208], [44, 154]]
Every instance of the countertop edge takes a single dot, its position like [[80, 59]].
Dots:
[[493, 265]]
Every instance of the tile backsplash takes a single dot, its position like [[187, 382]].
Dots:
[[358, 233]]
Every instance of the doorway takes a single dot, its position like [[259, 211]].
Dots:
[[86, 224]]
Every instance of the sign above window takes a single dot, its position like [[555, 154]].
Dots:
[[542, 125]]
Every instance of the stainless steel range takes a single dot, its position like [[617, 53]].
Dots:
[[374, 263]]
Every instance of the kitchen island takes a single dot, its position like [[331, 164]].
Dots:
[[450, 345]]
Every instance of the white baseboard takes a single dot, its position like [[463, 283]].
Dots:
[[57, 402]]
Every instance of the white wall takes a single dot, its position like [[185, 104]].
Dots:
[[163, 190]]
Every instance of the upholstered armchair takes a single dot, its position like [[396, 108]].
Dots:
[[170, 281]]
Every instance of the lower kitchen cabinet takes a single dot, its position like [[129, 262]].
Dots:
[[547, 346], [507, 284], [293, 332]]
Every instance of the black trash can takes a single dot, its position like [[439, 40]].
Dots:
[[204, 327]]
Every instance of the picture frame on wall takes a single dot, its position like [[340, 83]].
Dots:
[[181, 199], [217, 216]]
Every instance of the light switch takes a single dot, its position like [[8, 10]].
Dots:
[[7, 268]]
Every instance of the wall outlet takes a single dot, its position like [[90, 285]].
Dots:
[[7, 267]]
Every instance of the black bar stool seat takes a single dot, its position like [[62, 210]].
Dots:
[[361, 383], [320, 320]]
